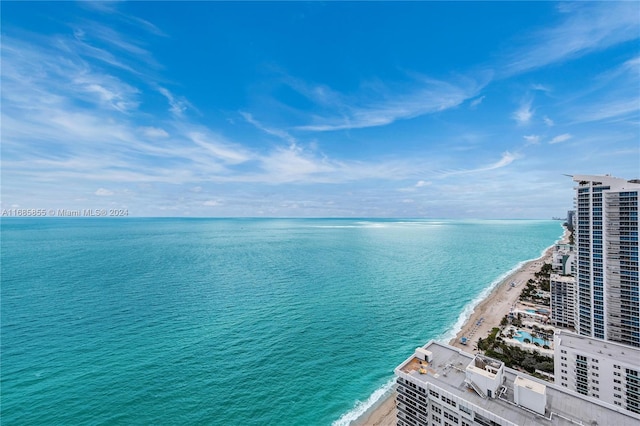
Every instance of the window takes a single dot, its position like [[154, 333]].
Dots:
[[450, 417], [448, 401]]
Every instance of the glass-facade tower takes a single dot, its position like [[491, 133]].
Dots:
[[606, 238]]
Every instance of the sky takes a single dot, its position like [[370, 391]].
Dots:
[[316, 109]]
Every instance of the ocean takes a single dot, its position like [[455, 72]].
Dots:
[[233, 321]]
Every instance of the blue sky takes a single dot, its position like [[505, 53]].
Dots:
[[292, 109]]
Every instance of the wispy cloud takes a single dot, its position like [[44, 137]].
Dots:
[[219, 149], [549, 122], [282, 134], [586, 27], [177, 105], [103, 192], [384, 105], [609, 97], [610, 110], [506, 159], [524, 113], [541, 88], [560, 138], [532, 139], [106, 90], [50, 136], [154, 132], [477, 101]]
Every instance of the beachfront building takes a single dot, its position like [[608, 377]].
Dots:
[[563, 259], [440, 385], [571, 218], [604, 371], [563, 299], [606, 239]]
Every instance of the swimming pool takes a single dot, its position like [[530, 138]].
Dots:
[[520, 335]]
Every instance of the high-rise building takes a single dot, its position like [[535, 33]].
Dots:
[[606, 371], [571, 217], [562, 300], [606, 244], [563, 259], [440, 385]]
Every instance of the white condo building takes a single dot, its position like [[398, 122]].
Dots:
[[440, 385], [605, 371], [606, 245], [562, 292], [563, 259]]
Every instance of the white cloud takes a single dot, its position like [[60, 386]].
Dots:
[[523, 114], [549, 122], [477, 101], [294, 164], [275, 132], [422, 183], [613, 109], [532, 139], [220, 149], [104, 192], [560, 138], [154, 132], [587, 27], [177, 105], [381, 106], [506, 159], [541, 88], [211, 203]]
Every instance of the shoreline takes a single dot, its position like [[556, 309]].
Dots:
[[486, 314]]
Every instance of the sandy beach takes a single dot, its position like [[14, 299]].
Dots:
[[486, 315]]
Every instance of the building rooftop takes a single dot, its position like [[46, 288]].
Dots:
[[447, 371], [604, 349], [614, 182]]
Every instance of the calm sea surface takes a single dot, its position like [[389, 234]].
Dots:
[[232, 321]]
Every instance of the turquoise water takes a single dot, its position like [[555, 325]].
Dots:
[[521, 335], [233, 321]]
